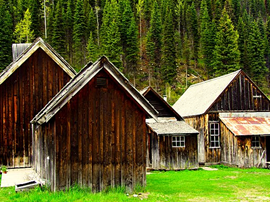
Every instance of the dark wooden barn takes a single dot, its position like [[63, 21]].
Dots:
[[230, 112], [26, 86], [93, 132], [171, 143]]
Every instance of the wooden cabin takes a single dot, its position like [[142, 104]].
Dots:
[[93, 132], [171, 143], [231, 114], [26, 86]]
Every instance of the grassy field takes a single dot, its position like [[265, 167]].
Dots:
[[224, 184]]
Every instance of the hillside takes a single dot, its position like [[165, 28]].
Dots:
[[156, 42]]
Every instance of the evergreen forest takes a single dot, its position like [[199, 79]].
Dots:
[[168, 44]]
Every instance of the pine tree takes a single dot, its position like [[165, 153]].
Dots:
[[112, 48], [242, 43], [267, 31], [5, 36], [58, 35], [168, 67], [93, 50], [226, 53], [193, 30], [154, 40], [132, 50], [79, 40], [35, 8], [23, 32], [69, 30], [255, 53], [207, 35]]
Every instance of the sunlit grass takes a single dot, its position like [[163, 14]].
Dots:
[[224, 184]]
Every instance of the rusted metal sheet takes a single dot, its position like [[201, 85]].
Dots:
[[244, 126]]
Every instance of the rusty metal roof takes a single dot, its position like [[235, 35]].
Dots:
[[244, 126]]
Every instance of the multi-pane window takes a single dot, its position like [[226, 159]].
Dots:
[[214, 135], [255, 141], [178, 141]]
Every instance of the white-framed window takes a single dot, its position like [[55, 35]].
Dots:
[[214, 134], [178, 141], [255, 142]]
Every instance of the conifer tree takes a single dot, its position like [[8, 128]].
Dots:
[[79, 40], [112, 48], [132, 50], [35, 8], [93, 50], [267, 31], [168, 66], [242, 43], [5, 36], [23, 32], [193, 30], [207, 35], [154, 40], [226, 54], [255, 52], [58, 35], [69, 30]]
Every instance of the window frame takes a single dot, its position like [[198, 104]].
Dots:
[[256, 139], [216, 136], [179, 139]]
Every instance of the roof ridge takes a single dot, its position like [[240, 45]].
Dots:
[[216, 78]]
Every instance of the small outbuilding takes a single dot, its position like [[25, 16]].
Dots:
[[93, 132], [37, 73], [171, 143], [232, 116]]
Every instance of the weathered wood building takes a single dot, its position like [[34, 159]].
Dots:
[[216, 108], [93, 132], [26, 86], [171, 143]]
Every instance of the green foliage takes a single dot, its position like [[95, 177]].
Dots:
[[255, 53], [5, 36], [79, 39], [168, 64], [93, 50], [226, 53], [23, 32], [154, 41], [58, 35]]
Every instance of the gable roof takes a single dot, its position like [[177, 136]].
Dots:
[[199, 97], [157, 97], [80, 80], [38, 43]]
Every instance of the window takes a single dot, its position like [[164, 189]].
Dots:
[[214, 135], [255, 141], [178, 141]]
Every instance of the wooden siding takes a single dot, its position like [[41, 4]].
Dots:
[[22, 96], [206, 155], [163, 156], [237, 151], [241, 95], [98, 139]]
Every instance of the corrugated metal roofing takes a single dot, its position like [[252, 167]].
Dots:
[[244, 126], [18, 48], [172, 128], [199, 97]]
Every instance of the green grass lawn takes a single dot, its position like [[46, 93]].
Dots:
[[224, 184]]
